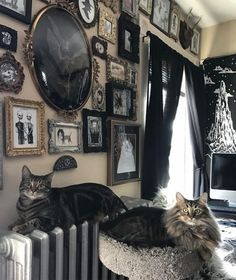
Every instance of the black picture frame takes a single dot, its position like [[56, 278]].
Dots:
[[99, 47], [8, 38], [87, 12], [94, 131], [14, 11], [128, 39], [119, 100], [123, 159], [160, 16]]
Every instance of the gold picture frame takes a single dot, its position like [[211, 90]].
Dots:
[[24, 127], [107, 26]]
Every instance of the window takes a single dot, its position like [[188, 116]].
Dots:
[[180, 159]]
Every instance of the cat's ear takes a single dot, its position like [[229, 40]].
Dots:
[[203, 198], [49, 177], [179, 198], [26, 172]]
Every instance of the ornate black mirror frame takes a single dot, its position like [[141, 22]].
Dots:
[[59, 57]]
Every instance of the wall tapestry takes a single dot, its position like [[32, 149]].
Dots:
[[220, 81]]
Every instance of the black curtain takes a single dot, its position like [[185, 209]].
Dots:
[[166, 69], [196, 98]]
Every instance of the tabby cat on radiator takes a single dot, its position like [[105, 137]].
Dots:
[[42, 207], [189, 224]]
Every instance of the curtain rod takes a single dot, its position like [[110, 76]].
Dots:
[[148, 33]]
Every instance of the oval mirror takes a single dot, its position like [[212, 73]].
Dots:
[[61, 64]]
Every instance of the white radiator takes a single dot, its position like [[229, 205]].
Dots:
[[53, 256]]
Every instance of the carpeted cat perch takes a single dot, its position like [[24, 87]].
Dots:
[[147, 264]]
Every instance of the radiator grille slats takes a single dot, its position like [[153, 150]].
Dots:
[[59, 255]]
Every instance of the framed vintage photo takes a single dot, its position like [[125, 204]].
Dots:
[[145, 6], [87, 11], [119, 100], [8, 38], [128, 39], [116, 69], [99, 47], [24, 127], [64, 137], [98, 97], [161, 14], [107, 26], [130, 7], [195, 42], [174, 22], [11, 73], [94, 131], [123, 160], [132, 76], [18, 9]]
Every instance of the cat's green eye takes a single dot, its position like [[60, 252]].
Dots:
[[197, 211]]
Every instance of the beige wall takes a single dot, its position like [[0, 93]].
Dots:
[[91, 167], [218, 40]]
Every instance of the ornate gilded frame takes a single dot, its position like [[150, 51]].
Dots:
[[116, 69], [98, 97], [11, 73], [14, 106], [112, 4], [72, 137], [107, 26]]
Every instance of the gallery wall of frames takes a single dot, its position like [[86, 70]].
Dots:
[[70, 88]]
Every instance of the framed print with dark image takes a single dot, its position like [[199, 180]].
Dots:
[[11, 73], [132, 76], [8, 38], [116, 69], [24, 127], [64, 137], [87, 11], [94, 131], [195, 41], [161, 14], [18, 9], [119, 100], [174, 22], [107, 26], [123, 160], [128, 39], [145, 6], [130, 7], [98, 97], [99, 47]]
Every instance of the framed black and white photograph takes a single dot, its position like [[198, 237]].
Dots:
[[119, 100], [132, 76], [123, 160], [116, 69], [98, 97], [64, 137], [18, 9], [145, 6], [174, 22], [107, 26], [8, 38], [99, 47], [87, 11], [94, 131], [130, 7], [128, 39], [195, 41], [11, 73], [24, 127], [161, 14]]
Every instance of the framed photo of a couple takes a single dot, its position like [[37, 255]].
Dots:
[[24, 127], [18, 9], [123, 161]]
